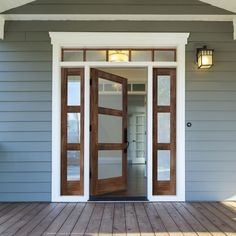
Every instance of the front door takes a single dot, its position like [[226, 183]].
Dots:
[[108, 136]]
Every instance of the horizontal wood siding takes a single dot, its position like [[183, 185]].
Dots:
[[25, 107], [25, 118]]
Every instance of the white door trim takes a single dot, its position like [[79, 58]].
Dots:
[[116, 40]]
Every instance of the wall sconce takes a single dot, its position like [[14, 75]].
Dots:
[[118, 55], [204, 58]]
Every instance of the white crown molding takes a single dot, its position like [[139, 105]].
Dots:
[[2, 23], [115, 17], [110, 40]]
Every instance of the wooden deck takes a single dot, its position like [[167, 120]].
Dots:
[[164, 219]]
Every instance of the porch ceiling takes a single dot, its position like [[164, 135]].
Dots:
[[7, 5], [229, 5]]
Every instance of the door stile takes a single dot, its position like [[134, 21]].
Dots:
[[125, 132], [94, 130]]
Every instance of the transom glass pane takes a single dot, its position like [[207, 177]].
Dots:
[[163, 129], [163, 55], [73, 127], [163, 165], [73, 90], [139, 88], [163, 92], [141, 55], [95, 55], [129, 87], [109, 164], [73, 165], [73, 55]]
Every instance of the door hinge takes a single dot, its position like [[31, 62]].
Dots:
[[90, 174], [90, 82], [90, 128]]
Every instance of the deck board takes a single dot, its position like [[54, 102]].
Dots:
[[119, 225], [132, 227], [119, 219], [155, 220], [28, 227], [95, 220], [185, 228], [214, 219], [145, 226], [47, 221], [170, 225], [203, 220], [14, 219], [81, 225], [107, 220], [195, 224], [70, 222], [24, 220]]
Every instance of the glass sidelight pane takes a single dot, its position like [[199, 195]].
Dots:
[[163, 90], [109, 129], [163, 165], [164, 55], [109, 164], [73, 127], [73, 165], [73, 90], [163, 128], [70, 55], [111, 95]]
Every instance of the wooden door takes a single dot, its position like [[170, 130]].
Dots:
[[164, 131], [108, 133]]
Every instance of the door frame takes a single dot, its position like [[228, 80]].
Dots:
[[118, 40]]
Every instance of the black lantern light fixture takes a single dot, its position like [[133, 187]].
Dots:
[[204, 57]]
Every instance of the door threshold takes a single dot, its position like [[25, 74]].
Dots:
[[117, 198]]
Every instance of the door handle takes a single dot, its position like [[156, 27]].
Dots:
[[126, 139], [125, 135]]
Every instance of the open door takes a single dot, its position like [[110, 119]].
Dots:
[[108, 136]]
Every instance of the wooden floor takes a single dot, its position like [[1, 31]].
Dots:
[[165, 219]]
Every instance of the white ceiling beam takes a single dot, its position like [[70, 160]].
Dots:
[[115, 17], [229, 5], [2, 23], [9, 4]]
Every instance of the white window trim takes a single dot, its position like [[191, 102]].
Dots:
[[115, 40]]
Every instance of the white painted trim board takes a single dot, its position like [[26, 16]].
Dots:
[[137, 40]]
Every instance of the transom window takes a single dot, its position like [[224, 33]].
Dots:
[[119, 55]]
